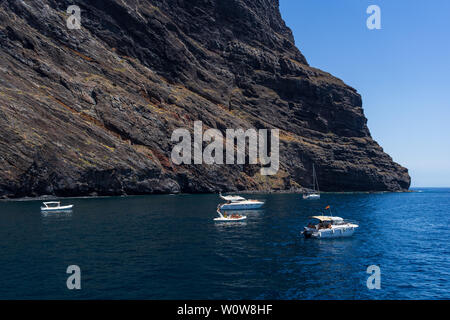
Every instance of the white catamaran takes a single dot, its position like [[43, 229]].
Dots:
[[316, 193], [239, 203]]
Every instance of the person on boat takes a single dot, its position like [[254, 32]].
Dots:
[[311, 225]]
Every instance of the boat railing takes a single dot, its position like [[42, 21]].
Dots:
[[346, 221]]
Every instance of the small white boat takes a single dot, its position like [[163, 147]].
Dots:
[[329, 227], [55, 206], [229, 217], [316, 193], [240, 203], [311, 196]]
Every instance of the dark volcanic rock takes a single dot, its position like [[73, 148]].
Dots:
[[91, 111]]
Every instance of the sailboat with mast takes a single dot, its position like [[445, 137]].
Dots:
[[316, 193]]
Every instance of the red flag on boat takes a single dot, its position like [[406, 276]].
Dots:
[[327, 207]]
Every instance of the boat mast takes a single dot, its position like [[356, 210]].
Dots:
[[315, 181]]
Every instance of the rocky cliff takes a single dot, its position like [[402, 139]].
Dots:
[[91, 111]]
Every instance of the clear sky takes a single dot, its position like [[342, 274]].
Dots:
[[402, 72]]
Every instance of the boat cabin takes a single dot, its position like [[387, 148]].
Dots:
[[324, 222], [232, 198], [52, 204]]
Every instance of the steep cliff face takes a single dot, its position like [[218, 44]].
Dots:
[[91, 111]]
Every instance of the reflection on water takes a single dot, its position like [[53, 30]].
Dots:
[[57, 214], [245, 212], [224, 225]]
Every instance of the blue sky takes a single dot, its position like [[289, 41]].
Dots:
[[402, 72]]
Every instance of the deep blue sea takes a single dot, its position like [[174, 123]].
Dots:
[[169, 247]]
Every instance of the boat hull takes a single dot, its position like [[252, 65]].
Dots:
[[337, 232], [61, 208], [241, 206], [220, 219]]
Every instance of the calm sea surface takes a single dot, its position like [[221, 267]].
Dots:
[[169, 247]]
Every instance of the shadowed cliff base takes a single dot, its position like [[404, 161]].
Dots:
[[91, 111]]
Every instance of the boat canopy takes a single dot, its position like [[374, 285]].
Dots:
[[232, 198], [327, 218], [52, 202]]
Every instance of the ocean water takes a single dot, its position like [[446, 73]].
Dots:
[[169, 247]]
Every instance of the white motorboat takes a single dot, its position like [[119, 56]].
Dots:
[[328, 227], [229, 217], [316, 193], [239, 203], [55, 206]]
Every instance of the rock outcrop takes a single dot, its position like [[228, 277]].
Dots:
[[91, 111]]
